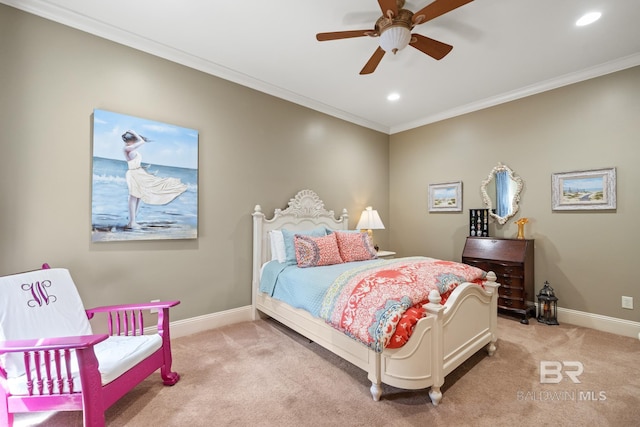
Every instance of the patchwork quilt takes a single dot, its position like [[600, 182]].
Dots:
[[378, 304]]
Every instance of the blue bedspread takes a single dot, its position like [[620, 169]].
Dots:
[[303, 287]]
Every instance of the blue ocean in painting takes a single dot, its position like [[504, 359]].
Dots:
[[110, 195], [583, 184]]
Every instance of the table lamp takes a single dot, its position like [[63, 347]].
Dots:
[[369, 221]]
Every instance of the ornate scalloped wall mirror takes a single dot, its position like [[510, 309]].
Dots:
[[501, 193]]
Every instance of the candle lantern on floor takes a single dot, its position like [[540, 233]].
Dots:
[[547, 305]]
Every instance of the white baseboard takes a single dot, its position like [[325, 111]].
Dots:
[[193, 325], [612, 325], [599, 322]]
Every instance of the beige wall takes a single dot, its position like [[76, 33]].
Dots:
[[253, 148], [588, 257]]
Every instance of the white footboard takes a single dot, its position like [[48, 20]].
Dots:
[[444, 339], [441, 341], [470, 323]]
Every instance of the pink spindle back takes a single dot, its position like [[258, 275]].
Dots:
[[42, 379], [126, 322]]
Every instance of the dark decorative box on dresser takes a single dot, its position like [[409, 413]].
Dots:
[[512, 262]]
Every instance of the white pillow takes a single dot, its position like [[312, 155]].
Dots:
[[278, 251]]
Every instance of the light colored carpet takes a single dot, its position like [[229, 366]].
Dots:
[[262, 374]]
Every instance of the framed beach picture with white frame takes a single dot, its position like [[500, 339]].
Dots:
[[584, 190], [445, 197], [144, 179]]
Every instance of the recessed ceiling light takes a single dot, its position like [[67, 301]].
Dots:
[[393, 96], [588, 18]]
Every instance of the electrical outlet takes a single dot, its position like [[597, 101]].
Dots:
[[627, 302], [154, 310]]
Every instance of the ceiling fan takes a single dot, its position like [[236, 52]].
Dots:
[[394, 29]]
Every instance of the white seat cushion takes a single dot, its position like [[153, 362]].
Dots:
[[119, 354], [116, 355]]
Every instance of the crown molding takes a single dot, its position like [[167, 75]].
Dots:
[[119, 35], [554, 83]]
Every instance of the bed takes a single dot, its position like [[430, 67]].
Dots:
[[447, 335]]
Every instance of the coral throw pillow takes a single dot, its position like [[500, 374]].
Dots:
[[355, 246], [316, 251]]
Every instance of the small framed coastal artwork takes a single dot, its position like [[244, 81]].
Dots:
[[445, 197], [144, 179], [584, 190]]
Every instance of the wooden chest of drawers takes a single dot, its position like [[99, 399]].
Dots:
[[512, 262]]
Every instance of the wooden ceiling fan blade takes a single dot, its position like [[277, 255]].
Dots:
[[337, 35], [388, 7], [433, 48], [373, 62], [435, 9]]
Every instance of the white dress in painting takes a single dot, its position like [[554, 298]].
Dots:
[[149, 188]]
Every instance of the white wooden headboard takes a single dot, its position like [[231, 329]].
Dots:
[[305, 211]]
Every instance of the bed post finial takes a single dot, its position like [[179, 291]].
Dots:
[[258, 208], [434, 306], [434, 297]]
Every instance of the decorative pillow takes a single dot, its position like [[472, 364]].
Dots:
[[355, 246], [317, 251], [278, 251], [290, 244], [331, 230]]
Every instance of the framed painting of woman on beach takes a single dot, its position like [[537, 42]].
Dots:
[[145, 179]]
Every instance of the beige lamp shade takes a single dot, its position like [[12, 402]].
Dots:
[[370, 220]]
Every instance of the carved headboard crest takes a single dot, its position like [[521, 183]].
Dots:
[[305, 204]]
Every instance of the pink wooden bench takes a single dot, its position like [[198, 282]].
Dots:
[[50, 359]]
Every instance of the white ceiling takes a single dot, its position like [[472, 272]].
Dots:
[[503, 49]]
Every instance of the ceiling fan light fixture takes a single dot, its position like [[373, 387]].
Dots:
[[394, 30], [395, 38]]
